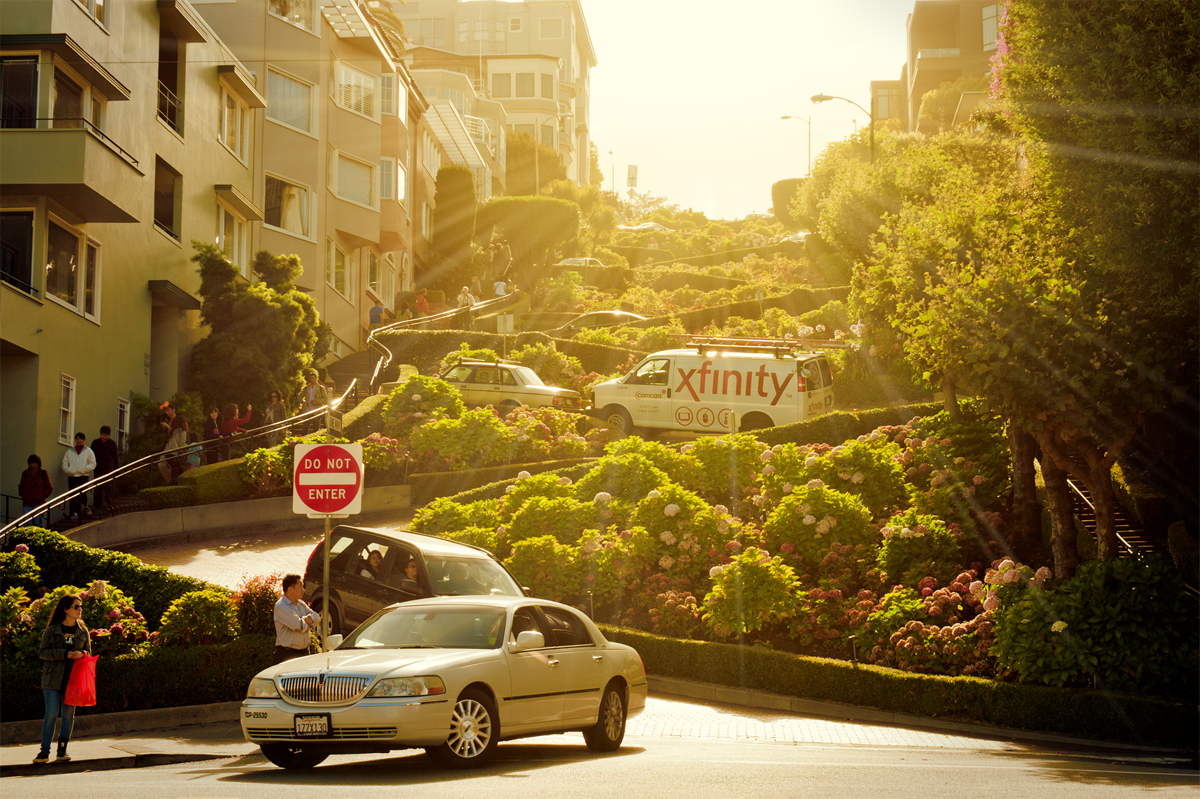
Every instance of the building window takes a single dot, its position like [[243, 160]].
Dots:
[[548, 86], [514, 24], [500, 34], [374, 277], [548, 136], [426, 32], [406, 273], [426, 221], [355, 180], [524, 84], [286, 206], [990, 14], [91, 281], [122, 423], [166, 198], [389, 282], [233, 237], [235, 124], [301, 13], [387, 94], [339, 271], [402, 102], [16, 249], [289, 101], [62, 264], [18, 92], [96, 9], [401, 183], [430, 157], [551, 28], [171, 53], [528, 129], [68, 102], [355, 91], [66, 410], [387, 178], [502, 85]]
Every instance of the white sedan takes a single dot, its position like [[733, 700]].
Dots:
[[452, 675]]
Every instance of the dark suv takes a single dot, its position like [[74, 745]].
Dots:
[[368, 571]]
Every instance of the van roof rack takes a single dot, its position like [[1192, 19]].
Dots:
[[777, 346]]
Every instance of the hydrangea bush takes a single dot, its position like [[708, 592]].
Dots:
[[914, 546], [751, 592], [812, 517]]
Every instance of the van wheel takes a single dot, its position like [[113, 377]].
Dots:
[[618, 419], [755, 421]]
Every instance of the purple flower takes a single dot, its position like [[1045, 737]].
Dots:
[[114, 614]]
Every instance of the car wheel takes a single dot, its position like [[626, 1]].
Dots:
[[618, 419], [474, 731], [755, 421], [289, 756], [335, 621], [609, 731], [507, 407]]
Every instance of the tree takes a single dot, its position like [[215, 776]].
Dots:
[[533, 226], [783, 192], [261, 335], [520, 172], [453, 219], [595, 174], [938, 105], [597, 220]]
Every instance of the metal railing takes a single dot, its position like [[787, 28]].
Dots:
[[302, 420], [168, 106]]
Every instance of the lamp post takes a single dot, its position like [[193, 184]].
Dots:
[[613, 170], [821, 98], [537, 183], [809, 123]]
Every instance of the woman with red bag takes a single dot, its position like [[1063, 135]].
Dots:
[[64, 642]]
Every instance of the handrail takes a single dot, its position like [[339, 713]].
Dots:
[[87, 125], [153, 459], [386, 355], [1129, 548]]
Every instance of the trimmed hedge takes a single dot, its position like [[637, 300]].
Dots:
[[217, 482], [428, 486], [838, 426], [671, 281], [364, 418], [797, 303], [495, 490], [169, 496], [1084, 713], [161, 677], [153, 588]]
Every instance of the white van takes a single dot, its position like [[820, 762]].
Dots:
[[717, 385]]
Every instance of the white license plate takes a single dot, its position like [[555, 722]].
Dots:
[[311, 726]]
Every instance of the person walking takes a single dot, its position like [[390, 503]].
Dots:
[[294, 620], [79, 462], [232, 426], [172, 466], [274, 414], [108, 458], [314, 397], [64, 641], [212, 432], [422, 303], [35, 488], [500, 287]]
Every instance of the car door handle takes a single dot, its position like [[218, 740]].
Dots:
[[598, 658], [552, 663]]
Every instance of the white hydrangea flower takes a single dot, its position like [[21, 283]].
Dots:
[[906, 533], [521, 475], [766, 456], [830, 521], [715, 571], [815, 483], [857, 478], [564, 481], [768, 470], [787, 488], [510, 489], [502, 529], [654, 494], [822, 527], [888, 532], [723, 525], [760, 500], [721, 510], [686, 448], [522, 438], [416, 397], [777, 448], [667, 538], [603, 496], [810, 519], [666, 561], [811, 460], [843, 474], [671, 509], [805, 508]]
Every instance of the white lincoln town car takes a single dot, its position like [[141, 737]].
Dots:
[[452, 675]]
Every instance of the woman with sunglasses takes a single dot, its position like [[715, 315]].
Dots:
[[274, 413], [65, 640]]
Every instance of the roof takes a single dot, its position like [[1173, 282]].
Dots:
[[426, 543]]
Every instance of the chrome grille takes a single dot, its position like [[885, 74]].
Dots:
[[334, 688], [338, 733]]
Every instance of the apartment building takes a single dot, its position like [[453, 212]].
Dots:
[[947, 40], [126, 132], [533, 57]]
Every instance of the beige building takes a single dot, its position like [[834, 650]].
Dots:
[[127, 132], [533, 57]]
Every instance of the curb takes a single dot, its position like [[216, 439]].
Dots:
[[105, 764], [29, 732]]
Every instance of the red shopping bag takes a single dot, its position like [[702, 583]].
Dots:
[[81, 688]]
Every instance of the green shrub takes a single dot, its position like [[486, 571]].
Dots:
[[477, 537], [676, 465], [812, 517], [547, 484], [725, 466], [837, 426], [554, 367], [200, 617], [548, 568], [264, 471], [628, 477], [561, 518], [444, 515], [419, 400], [73, 563], [687, 530], [364, 418], [169, 496], [475, 438], [751, 592], [255, 601], [19, 570], [217, 482], [897, 608], [1185, 551], [911, 543], [866, 469]]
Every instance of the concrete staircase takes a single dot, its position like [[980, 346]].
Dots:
[[1127, 526]]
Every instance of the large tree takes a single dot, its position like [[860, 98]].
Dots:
[[533, 227], [520, 172], [453, 221]]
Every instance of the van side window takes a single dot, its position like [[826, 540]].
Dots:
[[826, 377], [811, 374], [652, 373]]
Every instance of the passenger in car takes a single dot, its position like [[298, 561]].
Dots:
[[372, 566]]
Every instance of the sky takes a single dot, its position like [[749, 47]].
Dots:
[[692, 91]]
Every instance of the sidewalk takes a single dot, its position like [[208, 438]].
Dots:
[[180, 735]]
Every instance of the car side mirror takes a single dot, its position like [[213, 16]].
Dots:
[[529, 639], [333, 642]]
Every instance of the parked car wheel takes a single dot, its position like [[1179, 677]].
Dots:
[[289, 756], [609, 731], [507, 407], [618, 419], [474, 731], [335, 621]]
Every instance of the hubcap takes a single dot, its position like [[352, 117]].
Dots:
[[612, 717], [470, 729]]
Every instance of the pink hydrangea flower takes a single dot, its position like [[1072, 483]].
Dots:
[[21, 548], [992, 602], [926, 591]]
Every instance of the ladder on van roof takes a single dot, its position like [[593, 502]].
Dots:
[[779, 347]]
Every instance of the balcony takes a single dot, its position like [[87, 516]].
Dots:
[[168, 107], [939, 52], [481, 133], [74, 164]]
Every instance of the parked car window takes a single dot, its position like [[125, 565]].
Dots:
[[411, 627], [487, 376], [370, 562], [453, 576], [566, 629], [507, 379], [341, 556], [458, 374], [526, 620]]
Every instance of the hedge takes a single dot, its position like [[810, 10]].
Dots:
[[836, 427], [428, 486], [153, 588], [672, 281], [364, 418], [169, 496], [217, 482], [797, 302], [1086, 713], [160, 677]]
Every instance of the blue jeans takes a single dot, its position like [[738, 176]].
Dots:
[[53, 704], [38, 521]]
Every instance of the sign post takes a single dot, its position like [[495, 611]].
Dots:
[[327, 481]]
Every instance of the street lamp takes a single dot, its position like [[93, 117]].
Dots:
[[809, 123], [537, 183], [613, 169], [820, 98]]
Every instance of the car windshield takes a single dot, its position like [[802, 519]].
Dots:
[[451, 575], [423, 627]]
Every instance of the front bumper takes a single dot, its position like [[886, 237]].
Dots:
[[377, 723]]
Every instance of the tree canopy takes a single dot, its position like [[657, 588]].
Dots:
[[533, 226], [519, 168], [453, 214]]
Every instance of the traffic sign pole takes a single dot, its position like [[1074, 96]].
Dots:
[[325, 617]]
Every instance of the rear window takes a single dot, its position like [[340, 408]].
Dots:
[[826, 375]]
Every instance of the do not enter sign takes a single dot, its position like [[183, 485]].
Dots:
[[327, 479]]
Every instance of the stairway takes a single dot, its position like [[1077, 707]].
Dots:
[[1127, 526]]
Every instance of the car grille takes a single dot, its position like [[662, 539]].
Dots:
[[333, 689], [338, 733]]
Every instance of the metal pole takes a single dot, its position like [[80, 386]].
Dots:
[[537, 183], [872, 127], [809, 146], [325, 614]]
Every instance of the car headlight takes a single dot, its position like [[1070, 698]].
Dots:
[[261, 688], [408, 686]]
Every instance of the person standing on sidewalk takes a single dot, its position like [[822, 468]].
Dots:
[[79, 462], [65, 640], [293, 621], [35, 488], [108, 458]]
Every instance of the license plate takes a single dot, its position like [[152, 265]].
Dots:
[[314, 725]]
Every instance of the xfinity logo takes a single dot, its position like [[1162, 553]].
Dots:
[[716, 381]]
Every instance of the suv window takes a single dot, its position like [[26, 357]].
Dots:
[[565, 628], [485, 375], [507, 379]]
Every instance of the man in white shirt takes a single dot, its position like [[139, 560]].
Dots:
[[293, 621], [79, 462], [501, 287]]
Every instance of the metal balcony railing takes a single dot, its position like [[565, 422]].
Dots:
[[939, 52], [168, 106], [58, 123]]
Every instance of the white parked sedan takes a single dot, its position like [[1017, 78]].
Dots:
[[452, 675]]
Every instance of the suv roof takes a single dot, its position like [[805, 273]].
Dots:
[[422, 541]]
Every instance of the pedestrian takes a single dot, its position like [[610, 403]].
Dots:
[[376, 315], [274, 414], [212, 433], [293, 621], [465, 300], [232, 426], [64, 641], [476, 290], [79, 462], [422, 303], [314, 397], [35, 488], [500, 287], [171, 467], [403, 313], [108, 458], [653, 245]]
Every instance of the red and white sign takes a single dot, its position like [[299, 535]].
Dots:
[[327, 479]]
